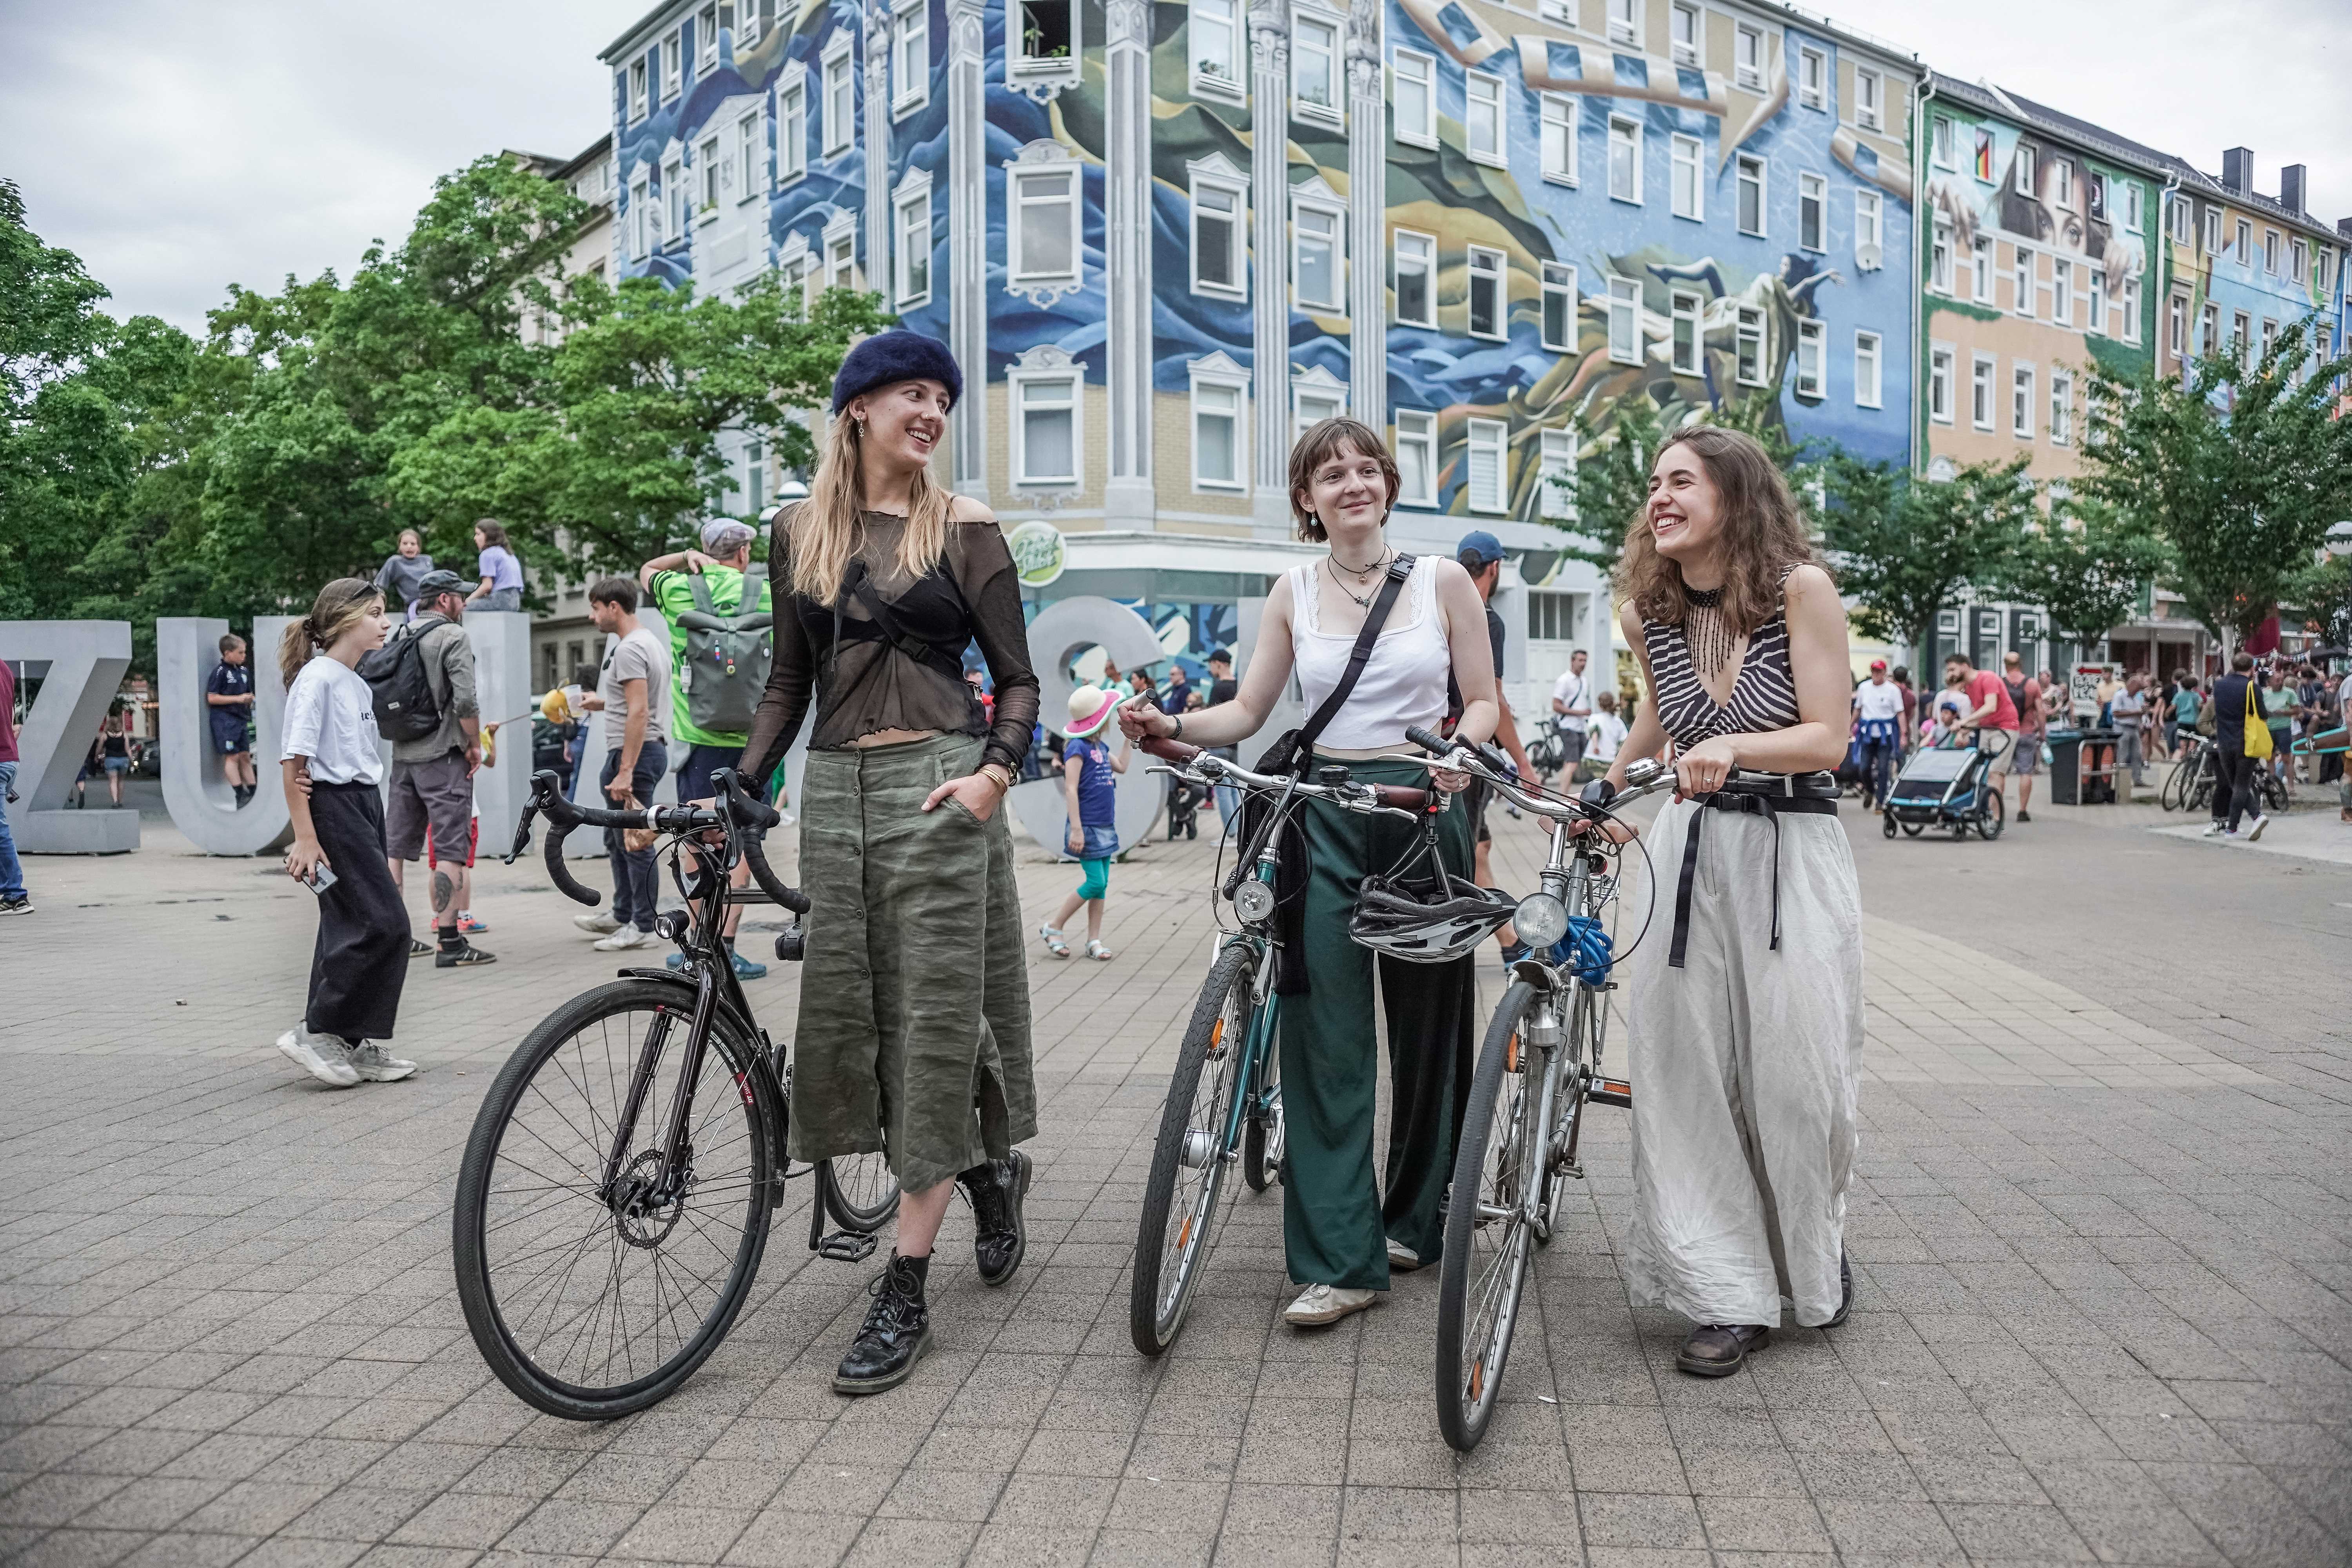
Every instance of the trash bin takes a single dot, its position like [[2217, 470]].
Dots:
[[2065, 766], [2098, 766]]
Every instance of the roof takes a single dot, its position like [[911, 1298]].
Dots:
[[637, 29], [2213, 189], [600, 148]]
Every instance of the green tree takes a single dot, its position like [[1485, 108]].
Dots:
[[2087, 565], [1904, 546], [1611, 480], [2240, 472]]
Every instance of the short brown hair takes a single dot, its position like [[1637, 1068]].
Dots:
[[621, 591], [1324, 440]]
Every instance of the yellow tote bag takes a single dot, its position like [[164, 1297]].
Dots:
[[2258, 729]]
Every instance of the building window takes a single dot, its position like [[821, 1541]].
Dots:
[[1689, 332], [1416, 456], [1314, 69], [1748, 58], [2094, 186], [2175, 325], [1048, 33], [1624, 321], [1217, 433], [674, 198], [2271, 251], [2296, 254], [2026, 184], [1812, 205], [1869, 230], [1869, 100], [2210, 342], [1215, 30], [2062, 407], [1559, 306], [2183, 221], [792, 132], [1981, 391], [910, 57], [1980, 249], [707, 164], [2062, 182], [1689, 187], [1689, 33], [2021, 403], [1482, 118], [2243, 339], [1555, 476], [1416, 276], [1045, 429], [2061, 290], [1939, 384], [673, 60], [840, 98], [795, 272], [1865, 370], [1317, 256], [1560, 11], [1484, 465], [706, 39], [1751, 194], [1945, 146], [2322, 264], [2021, 286], [841, 260], [748, 152], [1486, 292], [913, 233], [1625, 21], [1939, 257], [636, 90], [1812, 76], [1750, 341], [641, 227], [2095, 319], [2132, 198], [2270, 336], [1559, 138], [2244, 249], [1217, 242], [1416, 99], [1045, 239], [1312, 401], [1625, 160], [1813, 338], [2212, 231]]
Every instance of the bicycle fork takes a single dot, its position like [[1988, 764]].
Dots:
[[623, 1187]]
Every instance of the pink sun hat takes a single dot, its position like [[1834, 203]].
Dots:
[[1091, 707]]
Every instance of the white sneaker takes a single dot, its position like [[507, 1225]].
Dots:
[[602, 923], [626, 937], [1320, 1304], [2214, 831], [323, 1057], [1402, 1259], [376, 1064], [2255, 832]]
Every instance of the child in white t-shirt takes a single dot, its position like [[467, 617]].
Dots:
[[1602, 737]]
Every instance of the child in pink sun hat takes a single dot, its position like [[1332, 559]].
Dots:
[[1089, 773]]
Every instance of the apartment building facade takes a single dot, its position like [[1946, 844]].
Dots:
[[2244, 266]]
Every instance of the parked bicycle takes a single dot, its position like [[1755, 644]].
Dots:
[[2190, 785], [614, 1197], [1224, 1099]]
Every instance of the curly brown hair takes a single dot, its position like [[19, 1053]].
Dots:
[[1324, 440], [1764, 536]]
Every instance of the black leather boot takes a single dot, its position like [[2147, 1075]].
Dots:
[[1718, 1350], [897, 1331], [999, 1236], [1845, 1302]]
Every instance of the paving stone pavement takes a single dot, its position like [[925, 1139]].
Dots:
[[2100, 1245]]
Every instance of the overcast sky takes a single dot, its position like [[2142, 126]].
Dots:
[[179, 147]]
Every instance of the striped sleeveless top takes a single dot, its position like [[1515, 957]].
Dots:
[[1763, 694]]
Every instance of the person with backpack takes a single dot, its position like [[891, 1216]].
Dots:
[[2025, 696], [424, 684], [721, 634]]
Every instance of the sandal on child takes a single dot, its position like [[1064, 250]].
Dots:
[[1097, 950], [1054, 943]]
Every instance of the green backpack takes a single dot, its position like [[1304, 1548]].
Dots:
[[727, 656]]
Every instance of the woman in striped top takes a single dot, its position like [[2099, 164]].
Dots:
[[1745, 1014]]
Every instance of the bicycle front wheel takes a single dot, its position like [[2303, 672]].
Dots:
[[1489, 1239], [1195, 1145], [595, 1276], [1262, 1138]]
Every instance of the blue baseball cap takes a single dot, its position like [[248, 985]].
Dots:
[[1489, 548]]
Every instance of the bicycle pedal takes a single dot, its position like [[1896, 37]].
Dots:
[[846, 1246]]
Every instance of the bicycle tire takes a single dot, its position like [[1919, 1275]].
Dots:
[[1262, 1136], [859, 1191], [2175, 793], [1155, 1311], [1583, 1047], [1992, 816], [488, 1310], [1469, 1378]]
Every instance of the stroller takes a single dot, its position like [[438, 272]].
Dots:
[[1946, 785]]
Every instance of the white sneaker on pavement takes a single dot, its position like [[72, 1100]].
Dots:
[[1320, 1304], [2214, 831], [373, 1063], [602, 923], [323, 1057], [1402, 1259], [626, 937], [2255, 832]]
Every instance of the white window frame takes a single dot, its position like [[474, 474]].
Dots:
[[1037, 387], [1410, 248], [1687, 156], [1939, 383], [2062, 408], [1944, 142], [1687, 309], [1624, 311], [1869, 99], [1560, 11], [1229, 82], [1028, 67], [1869, 230], [797, 268], [2212, 235], [706, 39], [1744, 165], [1029, 178], [1215, 174], [2298, 259], [1556, 460], [1812, 357], [1411, 69], [1980, 253], [2022, 280], [2061, 290], [673, 72], [1559, 288], [750, 149], [1483, 91], [2271, 252], [1940, 255], [910, 206], [1812, 76], [640, 101], [675, 214], [1687, 18], [1625, 22], [643, 216], [2132, 205], [2243, 323], [1416, 434], [1632, 140], [1495, 437], [910, 57], [2180, 220], [1984, 395], [2175, 326], [2024, 168], [2096, 308], [1316, 395], [1556, 137], [2062, 183], [1328, 208], [791, 130], [710, 176], [2245, 243], [1747, 346], [840, 105], [1219, 375], [840, 256], [2021, 384], [1485, 265], [1748, 58], [1332, 27], [1869, 369], [1814, 188]]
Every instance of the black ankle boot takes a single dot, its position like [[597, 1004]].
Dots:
[[999, 1236], [897, 1330], [1718, 1350]]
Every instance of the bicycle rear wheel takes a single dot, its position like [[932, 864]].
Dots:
[[590, 1301], [1488, 1241], [1262, 1138], [1189, 1161], [860, 1193]]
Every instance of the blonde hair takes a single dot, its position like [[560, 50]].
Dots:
[[826, 528], [1764, 536], [338, 603]]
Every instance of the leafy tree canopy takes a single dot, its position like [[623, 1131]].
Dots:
[[1904, 546]]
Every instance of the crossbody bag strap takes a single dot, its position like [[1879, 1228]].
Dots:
[[922, 653], [1400, 570]]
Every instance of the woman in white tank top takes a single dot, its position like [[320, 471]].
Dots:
[[1341, 1238]]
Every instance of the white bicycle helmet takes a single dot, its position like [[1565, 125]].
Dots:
[[1436, 923]]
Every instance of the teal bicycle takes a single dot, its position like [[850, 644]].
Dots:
[[1224, 1099]]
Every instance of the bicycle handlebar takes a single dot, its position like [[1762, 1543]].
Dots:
[[741, 810], [1490, 767], [1221, 770]]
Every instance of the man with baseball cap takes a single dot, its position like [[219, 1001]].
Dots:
[[1878, 723], [1481, 555], [432, 776], [729, 586]]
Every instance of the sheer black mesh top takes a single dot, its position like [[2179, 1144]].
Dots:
[[971, 596]]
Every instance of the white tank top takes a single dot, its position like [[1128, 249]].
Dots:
[[1403, 682]]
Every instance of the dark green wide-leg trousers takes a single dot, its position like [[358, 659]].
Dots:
[[1333, 1219]]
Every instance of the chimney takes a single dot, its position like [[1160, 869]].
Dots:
[[2238, 171], [2291, 187]]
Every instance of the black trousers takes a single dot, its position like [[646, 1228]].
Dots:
[[362, 958], [2233, 784]]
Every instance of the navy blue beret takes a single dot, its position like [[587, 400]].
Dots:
[[896, 355]]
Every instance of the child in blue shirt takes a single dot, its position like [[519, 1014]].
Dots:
[[1089, 783]]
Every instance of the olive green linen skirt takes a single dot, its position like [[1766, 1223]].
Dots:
[[914, 1020]]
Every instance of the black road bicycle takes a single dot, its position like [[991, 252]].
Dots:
[[613, 1201]]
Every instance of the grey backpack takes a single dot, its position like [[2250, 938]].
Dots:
[[727, 654]]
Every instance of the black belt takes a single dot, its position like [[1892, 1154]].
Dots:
[[1753, 796]]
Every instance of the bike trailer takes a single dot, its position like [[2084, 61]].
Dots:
[[1938, 786]]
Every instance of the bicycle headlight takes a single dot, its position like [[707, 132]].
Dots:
[[1253, 902], [1541, 920]]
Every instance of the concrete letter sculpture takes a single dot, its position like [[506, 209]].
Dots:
[[1061, 630], [501, 641], [202, 807], [80, 665]]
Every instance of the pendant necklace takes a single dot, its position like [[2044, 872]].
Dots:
[[1704, 631], [1364, 600]]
